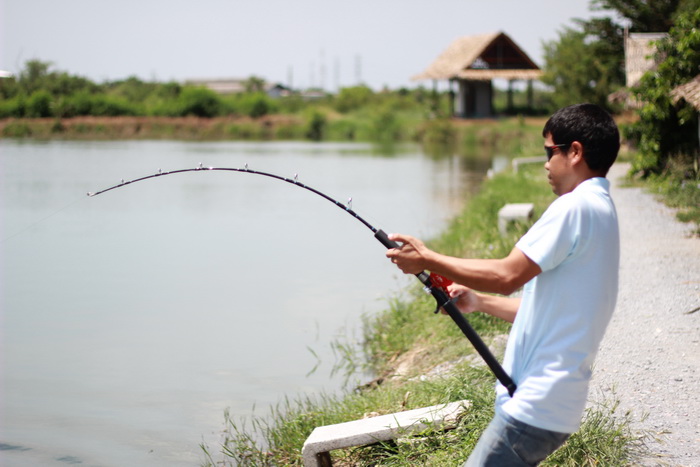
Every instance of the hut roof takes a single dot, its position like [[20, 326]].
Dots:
[[689, 91], [482, 57]]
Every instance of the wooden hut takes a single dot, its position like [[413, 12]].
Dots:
[[689, 92], [473, 62]]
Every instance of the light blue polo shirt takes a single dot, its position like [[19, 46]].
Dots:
[[565, 309]]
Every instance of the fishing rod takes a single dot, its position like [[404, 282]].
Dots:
[[433, 284]]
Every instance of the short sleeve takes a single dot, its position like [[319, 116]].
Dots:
[[554, 236]]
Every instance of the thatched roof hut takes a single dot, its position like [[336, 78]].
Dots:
[[484, 57], [473, 62], [690, 92]]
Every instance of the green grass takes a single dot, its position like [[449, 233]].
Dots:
[[605, 438], [680, 193], [678, 186], [408, 328]]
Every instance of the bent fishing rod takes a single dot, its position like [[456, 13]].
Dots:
[[433, 284]]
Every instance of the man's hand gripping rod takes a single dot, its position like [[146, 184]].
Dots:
[[443, 301]]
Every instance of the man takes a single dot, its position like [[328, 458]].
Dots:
[[568, 264]]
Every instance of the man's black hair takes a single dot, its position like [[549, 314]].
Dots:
[[591, 126]]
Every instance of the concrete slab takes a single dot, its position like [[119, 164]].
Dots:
[[517, 162], [514, 212], [382, 428]]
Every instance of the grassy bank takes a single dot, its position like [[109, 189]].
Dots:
[[177, 128], [421, 359], [479, 141]]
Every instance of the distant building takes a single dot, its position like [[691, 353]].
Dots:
[[312, 94], [227, 86], [640, 50], [472, 62], [221, 86], [640, 57], [278, 90]]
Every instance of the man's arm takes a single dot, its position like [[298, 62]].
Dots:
[[503, 276]]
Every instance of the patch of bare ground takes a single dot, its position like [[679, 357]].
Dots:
[[419, 362]]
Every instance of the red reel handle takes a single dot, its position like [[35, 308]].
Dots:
[[440, 281]]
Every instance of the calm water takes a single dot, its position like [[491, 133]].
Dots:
[[132, 320]]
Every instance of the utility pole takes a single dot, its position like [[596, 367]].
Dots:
[[358, 70]]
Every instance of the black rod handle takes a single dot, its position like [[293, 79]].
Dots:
[[384, 238], [443, 301], [476, 341]]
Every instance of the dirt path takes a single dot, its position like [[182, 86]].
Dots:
[[650, 357]]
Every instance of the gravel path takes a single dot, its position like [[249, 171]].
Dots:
[[650, 357]]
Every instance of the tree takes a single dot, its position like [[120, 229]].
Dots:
[[38, 76], [584, 70], [39, 104], [643, 15], [132, 89], [254, 84], [34, 75], [353, 98], [666, 132], [200, 102], [587, 62]]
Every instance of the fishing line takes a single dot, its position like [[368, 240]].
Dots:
[[432, 283], [35, 223]]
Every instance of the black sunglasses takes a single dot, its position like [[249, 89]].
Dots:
[[550, 149]]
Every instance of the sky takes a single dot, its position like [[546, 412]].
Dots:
[[302, 43]]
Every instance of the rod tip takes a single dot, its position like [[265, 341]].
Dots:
[[90, 193]]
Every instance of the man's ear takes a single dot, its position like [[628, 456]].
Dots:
[[576, 153]]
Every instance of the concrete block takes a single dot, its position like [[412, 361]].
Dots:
[[514, 212], [517, 162], [372, 430]]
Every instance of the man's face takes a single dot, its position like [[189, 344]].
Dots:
[[560, 174]]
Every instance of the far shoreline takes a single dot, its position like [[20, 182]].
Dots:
[[269, 127]]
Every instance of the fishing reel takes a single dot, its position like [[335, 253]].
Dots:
[[441, 283]]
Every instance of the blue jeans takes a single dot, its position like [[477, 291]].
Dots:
[[507, 442]]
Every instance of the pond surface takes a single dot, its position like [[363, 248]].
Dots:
[[131, 320]]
